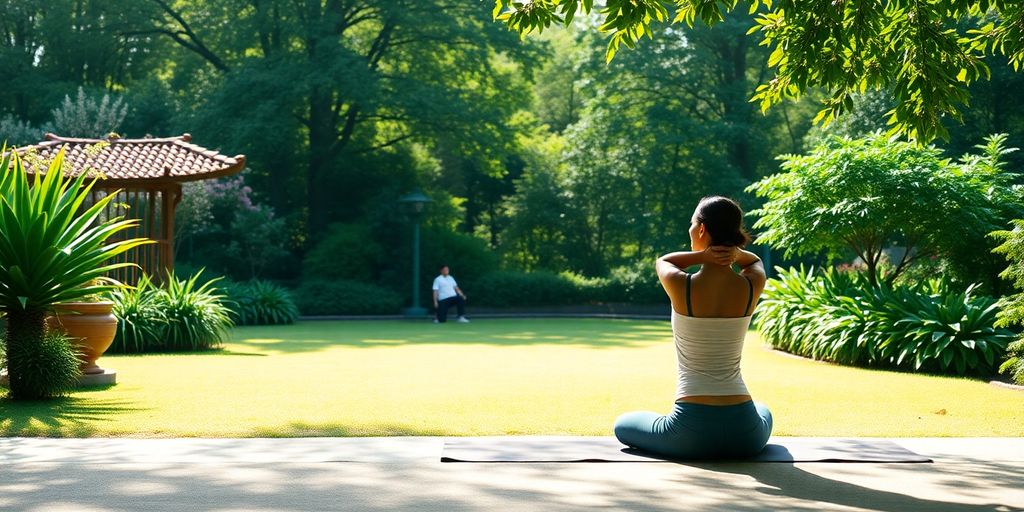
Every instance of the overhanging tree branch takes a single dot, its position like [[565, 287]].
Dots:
[[190, 41]]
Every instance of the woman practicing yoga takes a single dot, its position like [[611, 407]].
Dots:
[[713, 416]]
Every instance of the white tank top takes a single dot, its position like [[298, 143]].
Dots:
[[708, 353]]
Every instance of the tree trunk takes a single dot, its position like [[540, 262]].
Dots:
[[736, 109], [321, 141]]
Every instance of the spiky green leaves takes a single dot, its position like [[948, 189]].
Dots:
[[54, 243]]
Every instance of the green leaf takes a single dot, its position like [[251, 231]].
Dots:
[[947, 358]]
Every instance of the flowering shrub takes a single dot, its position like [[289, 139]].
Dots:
[[220, 226]]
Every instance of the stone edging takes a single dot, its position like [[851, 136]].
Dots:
[[1006, 385], [489, 316]]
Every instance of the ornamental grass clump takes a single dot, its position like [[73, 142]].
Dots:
[[140, 319], [54, 246], [197, 316], [50, 368], [176, 315], [260, 302]]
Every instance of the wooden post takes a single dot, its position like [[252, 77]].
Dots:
[[150, 232], [169, 199]]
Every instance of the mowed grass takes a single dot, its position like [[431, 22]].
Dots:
[[490, 377]]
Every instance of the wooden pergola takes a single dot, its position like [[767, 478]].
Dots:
[[148, 174]]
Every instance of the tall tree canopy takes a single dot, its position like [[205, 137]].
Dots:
[[539, 155], [921, 51], [343, 79]]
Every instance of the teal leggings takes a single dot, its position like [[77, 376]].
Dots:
[[696, 431]]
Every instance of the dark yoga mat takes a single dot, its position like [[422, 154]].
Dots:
[[608, 449]]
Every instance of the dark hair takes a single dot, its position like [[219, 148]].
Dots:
[[723, 219], [443, 265]]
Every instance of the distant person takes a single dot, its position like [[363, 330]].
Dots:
[[446, 294], [713, 415]]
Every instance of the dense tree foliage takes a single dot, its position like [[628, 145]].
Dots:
[[926, 53], [538, 155], [890, 203]]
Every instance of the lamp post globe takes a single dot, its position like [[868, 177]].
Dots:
[[416, 202]]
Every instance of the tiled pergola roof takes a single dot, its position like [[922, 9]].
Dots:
[[137, 161]]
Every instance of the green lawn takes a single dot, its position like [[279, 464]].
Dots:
[[489, 377]]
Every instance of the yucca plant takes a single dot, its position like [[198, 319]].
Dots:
[[52, 247]]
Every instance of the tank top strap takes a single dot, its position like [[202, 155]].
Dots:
[[750, 297], [689, 309]]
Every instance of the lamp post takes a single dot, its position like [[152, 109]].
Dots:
[[417, 201]]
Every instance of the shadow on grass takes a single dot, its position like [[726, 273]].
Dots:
[[222, 351], [884, 368], [322, 335], [303, 429], [62, 417]]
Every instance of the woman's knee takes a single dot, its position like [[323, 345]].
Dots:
[[766, 416], [632, 425]]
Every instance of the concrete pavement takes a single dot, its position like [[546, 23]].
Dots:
[[404, 473]]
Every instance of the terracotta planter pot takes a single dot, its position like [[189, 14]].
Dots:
[[91, 327]]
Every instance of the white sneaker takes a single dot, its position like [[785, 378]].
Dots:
[[436, 321], [463, 320]]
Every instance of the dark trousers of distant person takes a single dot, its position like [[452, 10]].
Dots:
[[443, 305]]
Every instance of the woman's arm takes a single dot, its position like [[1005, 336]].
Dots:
[[752, 267], [677, 262], [671, 270], [672, 267]]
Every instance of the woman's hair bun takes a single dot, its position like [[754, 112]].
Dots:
[[723, 219]]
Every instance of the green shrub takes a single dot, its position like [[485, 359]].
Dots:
[[348, 251], [840, 317], [636, 283], [1014, 364], [589, 290], [140, 320], [511, 288], [259, 302], [345, 297], [1012, 305], [220, 226], [468, 257], [47, 369], [178, 315], [865, 195]]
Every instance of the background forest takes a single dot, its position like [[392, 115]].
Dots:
[[544, 163]]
